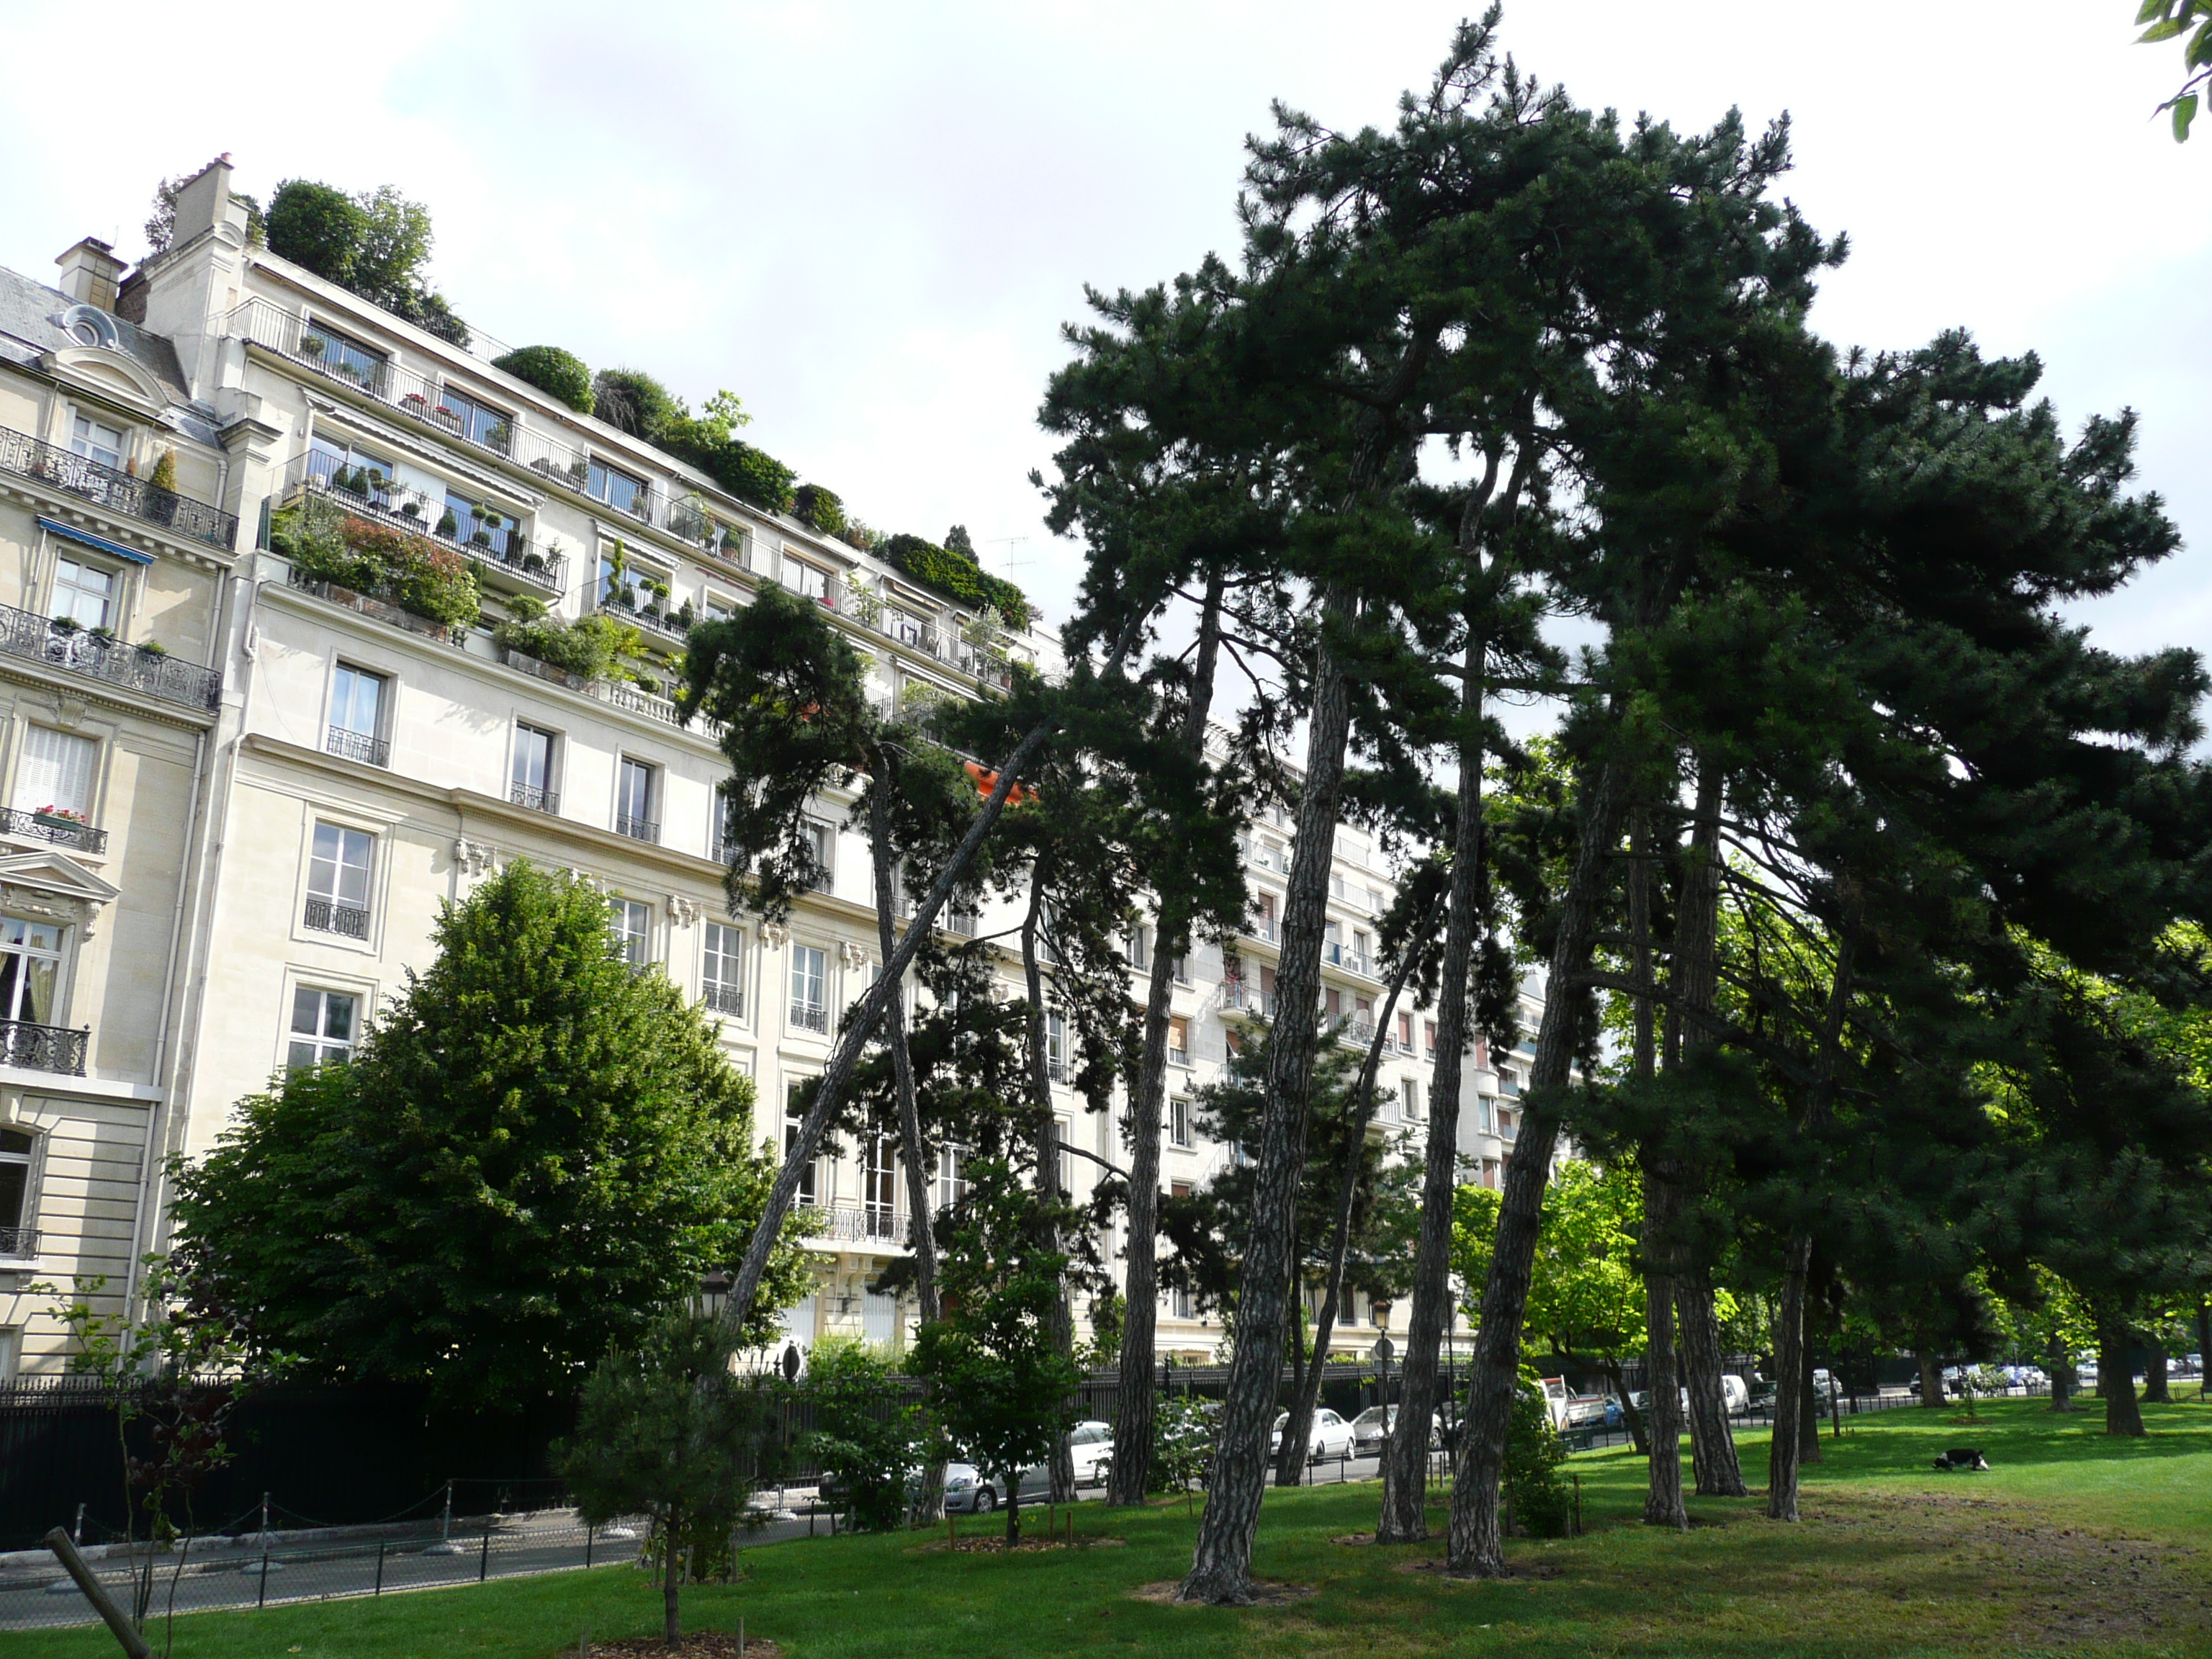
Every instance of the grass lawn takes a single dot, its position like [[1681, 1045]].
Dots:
[[2071, 1541]]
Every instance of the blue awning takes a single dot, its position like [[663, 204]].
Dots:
[[91, 540]]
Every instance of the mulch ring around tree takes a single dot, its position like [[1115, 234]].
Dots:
[[999, 1546], [695, 1645], [1266, 1593], [1517, 1575]]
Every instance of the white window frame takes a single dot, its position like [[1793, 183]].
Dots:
[[336, 899], [319, 1041], [82, 417], [635, 945], [24, 788], [1180, 1134], [112, 606], [824, 836], [722, 992], [27, 1215], [644, 827], [548, 794], [812, 1017]]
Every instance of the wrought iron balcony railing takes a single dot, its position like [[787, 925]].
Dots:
[[724, 999], [855, 1223], [810, 1017], [21, 1243], [65, 646], [536, 800], [329, 916], [61, 832], [636, 828], [116, 491], [357, 746], [43, 1048], [498, 544]]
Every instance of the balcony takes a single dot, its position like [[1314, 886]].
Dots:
[[1241, 998], [65, 646], [651, 621], [19, 1243], [637, 829], [43, 1048], [326, 915], [115, 491], [859, 1223], [724, 999], [53, 828], [499, 548], [538, 800], [810, 1017], [357, 746]]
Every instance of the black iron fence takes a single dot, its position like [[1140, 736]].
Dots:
[[43, 1048], [115, 490], [60, 643]]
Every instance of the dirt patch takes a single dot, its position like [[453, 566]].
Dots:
[[1266, 1593], [999, 1546], [2064, 1583], [698, 1645]]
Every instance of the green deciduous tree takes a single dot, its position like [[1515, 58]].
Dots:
[[533, 1150]]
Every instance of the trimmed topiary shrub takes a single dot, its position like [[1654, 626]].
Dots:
[[819, 506], [630, 400], [556, 372]]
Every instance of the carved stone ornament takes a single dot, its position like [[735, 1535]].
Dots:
[[68, 711], [476, 858], [853, 955], [683, 912], [587, 880], [775, 933]]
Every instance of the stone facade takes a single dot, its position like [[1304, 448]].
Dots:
[[262, 809]]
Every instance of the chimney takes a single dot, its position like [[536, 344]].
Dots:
[[89, 273], [203, 201]]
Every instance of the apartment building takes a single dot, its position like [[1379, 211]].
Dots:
[[238, 794]]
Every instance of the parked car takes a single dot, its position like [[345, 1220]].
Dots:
[[1090, 1448], [1090, 1445], [1377, 1423], [1330, 1436], [1735, 1393]]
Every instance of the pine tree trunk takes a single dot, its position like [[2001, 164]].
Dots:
[[930, 1504], [2123, 1415], [1405, 1456], [829, 1094], [1130, 1472], [1713, 1457], [2204, 1346], [1221, 1565], [671, 1587], [1477, 1547], [1045, 1149], [1693, 975], [1783, 1451], [1307, 1396], [2156, 1392], [2061, 1375], [1663, 1498]]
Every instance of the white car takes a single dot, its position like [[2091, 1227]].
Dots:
[[1331, 1436], [1090, 1446]]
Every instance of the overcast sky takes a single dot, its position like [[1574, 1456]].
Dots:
[[870, 220]]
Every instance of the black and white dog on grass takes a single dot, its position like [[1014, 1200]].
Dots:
[[1962, 1459]]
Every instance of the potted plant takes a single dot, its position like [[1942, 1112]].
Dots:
[[534, 563], [62, 816], [410, 509], [310, 345], [65, 624], [480, 537], [447, 525], [498, 434], [102, 633], [416, 403], [152, 648]]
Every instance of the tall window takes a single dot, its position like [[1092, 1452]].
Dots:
[[879, 1187], [1178, 1041], [338, 463], [824, 839], [718, 831], [480, 423], [83, 593], [55, 772], [793, 1116], [532, 783], [810, 988], [30, 965], [633, 924], [617, 489], [1055, 1046], [951, 1183], [1266, 922], [1179, 1302], [474, 517], [1141, 956], [1179, 1122], [357, 698], [348, 359], [17, 1237], [1406, 1033], [338, 881], [322, 1027], [96, 441], [722, 983], [1410, 1091], [634, 816]]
